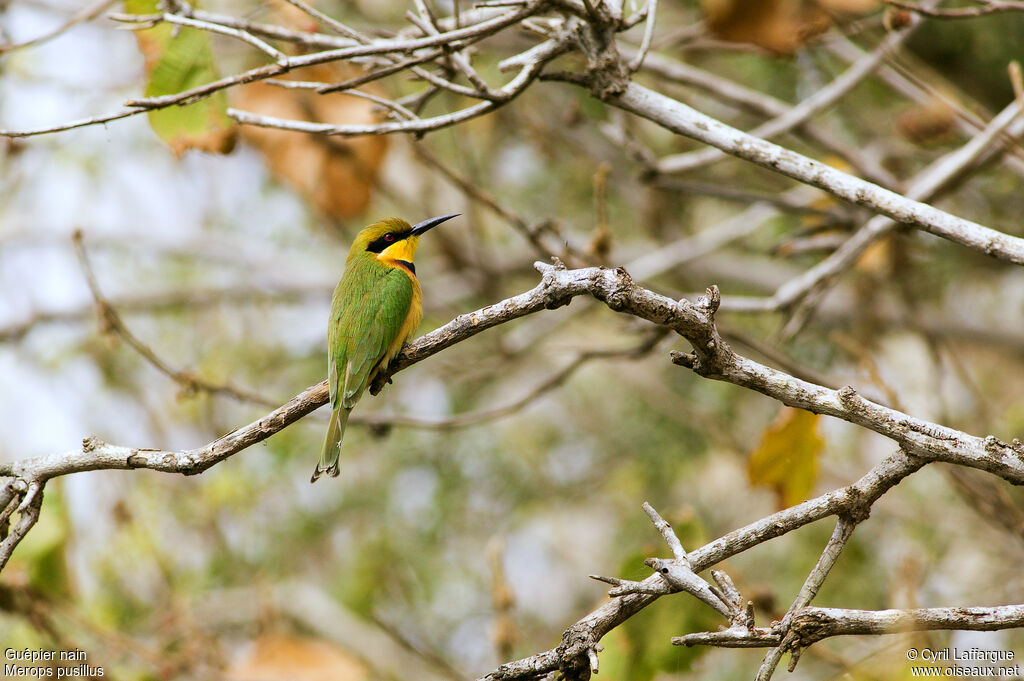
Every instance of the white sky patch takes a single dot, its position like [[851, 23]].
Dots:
[[413, 493]]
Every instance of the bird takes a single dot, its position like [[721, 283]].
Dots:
[[375, 310]]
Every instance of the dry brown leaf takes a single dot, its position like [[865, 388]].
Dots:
[[285, 14], [780, 26], [930, 123], [273, 657], [336, 174], [896, 19]]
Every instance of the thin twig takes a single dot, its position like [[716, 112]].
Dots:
[[916, 89], [924, 187], [397, 108], [330, 22], [506, 93], [822, 99], [277, 55], [381, 47], [988, 7], [651, 11], [85, 14], [188, 380], [532, 233], [763, 104], [836, 543], [679, 118]]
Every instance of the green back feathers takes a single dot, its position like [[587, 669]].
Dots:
[[375, 308], [368, 309]]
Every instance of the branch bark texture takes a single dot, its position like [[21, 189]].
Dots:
[[436, 52], [684, 120], [920, 441]]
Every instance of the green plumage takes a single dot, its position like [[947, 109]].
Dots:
[[369, 307], [375, 309]]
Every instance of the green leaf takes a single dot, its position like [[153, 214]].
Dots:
[[787, 458], [178, 59]]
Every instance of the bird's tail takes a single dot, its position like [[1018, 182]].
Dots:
[[332, 445]]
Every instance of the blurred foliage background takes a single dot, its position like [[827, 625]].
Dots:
[[445, 549]]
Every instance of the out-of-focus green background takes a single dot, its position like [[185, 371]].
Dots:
[[442, 552]]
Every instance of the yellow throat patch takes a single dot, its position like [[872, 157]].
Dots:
[[400, 250]]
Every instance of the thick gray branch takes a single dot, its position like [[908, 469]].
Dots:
[[712, 358], [98, 455], [682, 119], [814, 624], [822, 99], [694, 321], [811, 624]]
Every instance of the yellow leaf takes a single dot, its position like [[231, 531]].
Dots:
[[786, 460]]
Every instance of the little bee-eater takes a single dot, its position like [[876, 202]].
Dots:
[[374, 311]]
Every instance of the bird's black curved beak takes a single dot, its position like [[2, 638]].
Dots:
[[422, 227]]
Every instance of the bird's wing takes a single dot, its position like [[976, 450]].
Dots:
[[364, 325]]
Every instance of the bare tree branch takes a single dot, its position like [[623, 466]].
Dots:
[[811, 624], [397, 46], [189, 381], [985, 7], [586, 632], [530, 71], [836, 543], [694, 321], [82, 16], [684, 120], [924, 187], [821, 100], [814, 624], [438, 51], [760, 103]]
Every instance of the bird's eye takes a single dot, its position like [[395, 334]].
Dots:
[[389, 237]]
